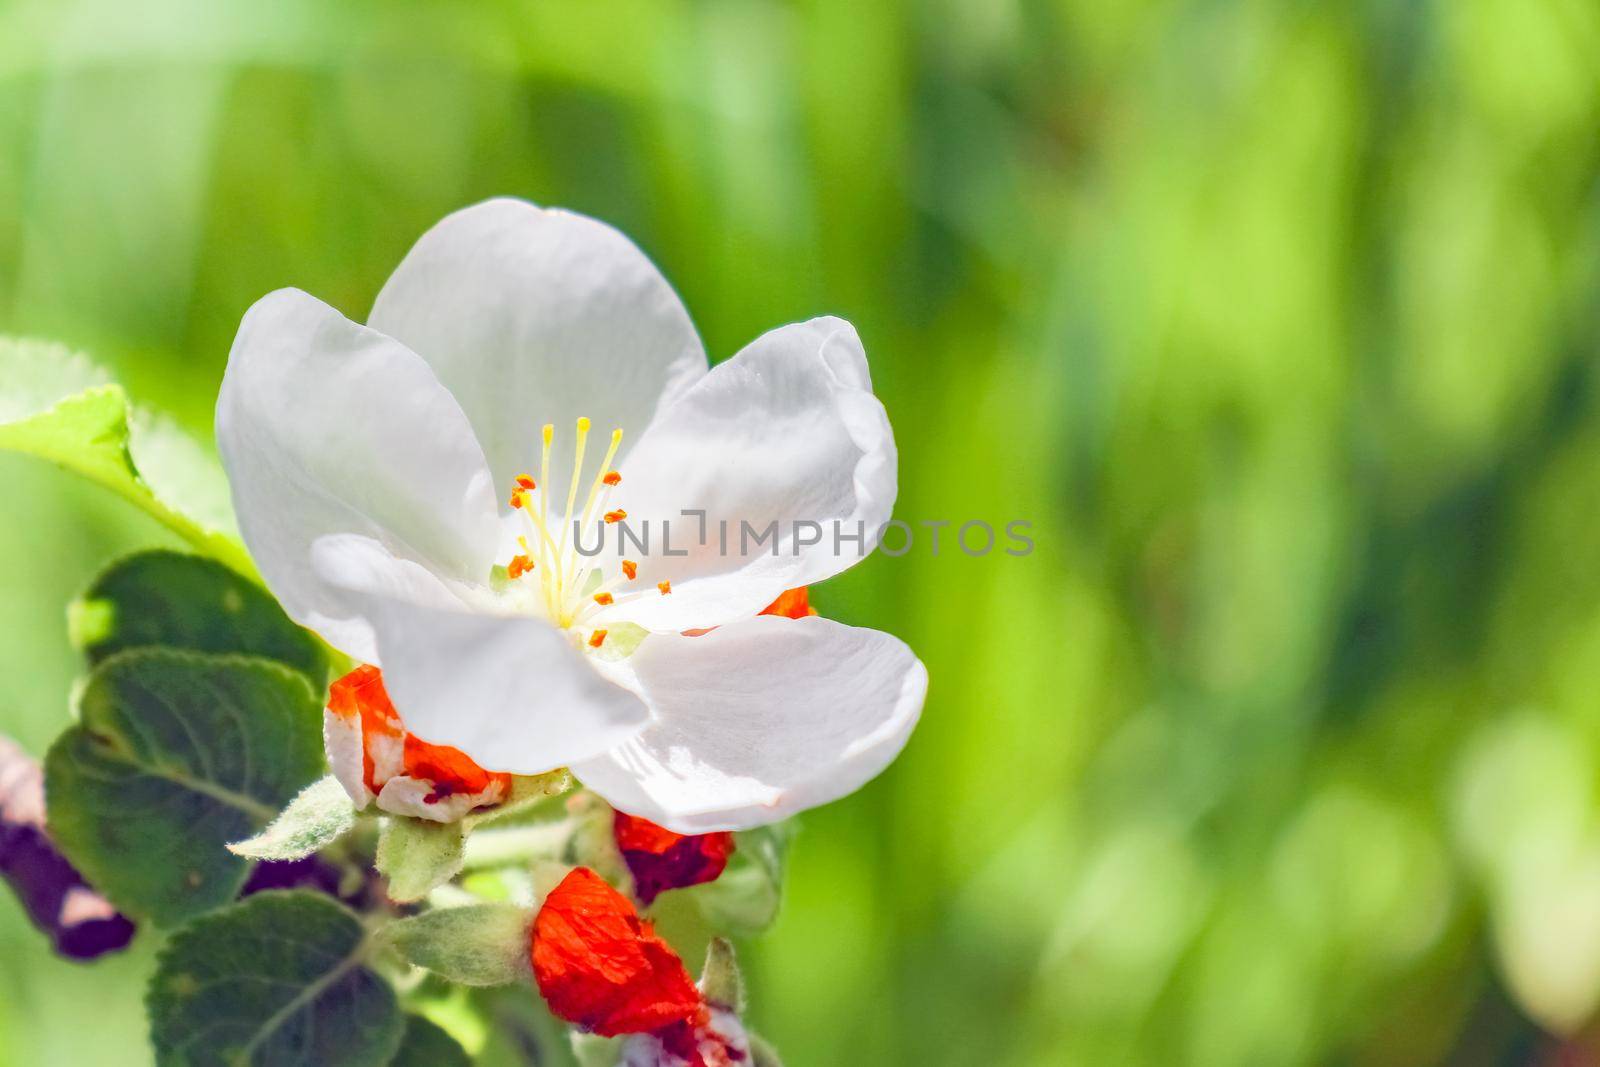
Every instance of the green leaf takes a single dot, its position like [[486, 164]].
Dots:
[[426, 1044], [418, 856], [173, 756], [319, 816], [476, 944], [746, 898], [57, 406], [279, 980], [179, 600], [184, 474], [40, 374]]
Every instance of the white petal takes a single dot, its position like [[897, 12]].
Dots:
[[758, 720], [531, 315], [353, 563], [786, 431], [329, 428], [341, 739], [509, 691]]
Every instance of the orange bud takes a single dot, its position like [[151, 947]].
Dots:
[[598, 966]]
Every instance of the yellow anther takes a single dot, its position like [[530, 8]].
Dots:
[[548, 433]]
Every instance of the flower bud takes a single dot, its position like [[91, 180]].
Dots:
[[660, 860]]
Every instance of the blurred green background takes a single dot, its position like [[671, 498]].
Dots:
[[1277, 319]]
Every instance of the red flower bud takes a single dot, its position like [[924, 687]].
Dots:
[[660, 859], [599, 966]]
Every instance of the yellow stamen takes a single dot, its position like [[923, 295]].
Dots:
[[563, 571], [601, 477], [581, 568], [548, 434], [572, 484], [547, 549]]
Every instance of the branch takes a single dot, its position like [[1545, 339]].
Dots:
[[80, 923]]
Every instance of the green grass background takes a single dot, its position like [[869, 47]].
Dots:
[[1276, 318]]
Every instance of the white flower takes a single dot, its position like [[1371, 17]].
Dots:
[[374, 469]]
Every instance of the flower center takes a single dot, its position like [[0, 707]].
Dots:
[[567, 584]]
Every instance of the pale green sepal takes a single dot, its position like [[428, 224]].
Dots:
[[720, 981], [762, 1054], [527, 791], [319, 816], [475, 944], [745, 898], [592, 1050], [417, 855]]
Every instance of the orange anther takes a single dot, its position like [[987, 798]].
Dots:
[[604, 598], [665, 587], [525, 482], [630, 568], [597, 639], [612, 478], [518, 566], [517, 498], [616, 516]]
